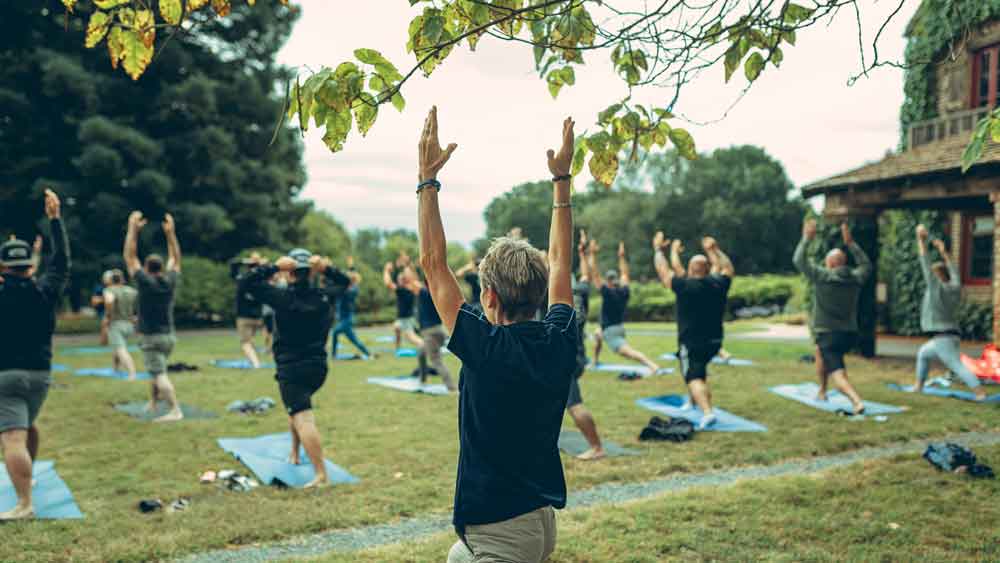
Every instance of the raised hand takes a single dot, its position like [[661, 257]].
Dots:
[[660, 241], [677, 246], [350, 261], [168, 224], [708, 244], [621, 249], [922, 233], [432, 156], [136, 220], [582, 246], [939, 245], [809, 229], [594, 247], [285, 264], [52, 205], [515, 233], [845, 232], [561, 162], [36, 248]]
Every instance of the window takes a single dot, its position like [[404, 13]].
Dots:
[[977, 249], [984, 77]]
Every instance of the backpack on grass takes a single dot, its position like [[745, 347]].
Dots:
[[953, 457], [670, 430]]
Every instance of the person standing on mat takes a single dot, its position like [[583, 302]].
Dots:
[[702, 290], [303, 316], [470, 273], [938, 317], [30, 306], [157, 285], [119, 302], [406, 297], [834, 318], [346, 305], [97, 302], [434, 337], [249, 313], [516, 372], [580, 414], [615, 295]]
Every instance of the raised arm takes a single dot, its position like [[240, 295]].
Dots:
[[53, 282], [595, 272], [387, 277], [173, 245], [953, 280], [864, 265], [799, 258], [445, 291], [660, 262], [336, 281], [131, 251], [676, 247], [581, 251], [466, 269], [721, 264], [258, 282], [623, 263], [561, 229], [925, 263]]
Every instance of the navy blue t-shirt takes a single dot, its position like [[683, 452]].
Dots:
[[404, 303], [512, 395], [346, 303], [427, 314], [615, 299]]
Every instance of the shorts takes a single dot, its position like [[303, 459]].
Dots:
[[118, 333], [22, 394], [695, 359], [268, 321], [528, 537], [832, 348], [298, 383], [156, 348], [581, 351], [614, 336], [407, 324], [575, 398], [248, 328]]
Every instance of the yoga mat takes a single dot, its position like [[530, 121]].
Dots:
[[92, 350], [138, 410], [111, 373], [628, 368], [735, 362], [805, 393], [947, 393], [59, 368], [267, 457], [574, 444], [406, 353], [348, 357], [52, 498], [409, 384], [385, 339], [670, 405], [240, 364]]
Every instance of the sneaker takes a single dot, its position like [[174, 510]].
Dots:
[[17, 514], [707, 422], [687, 404]]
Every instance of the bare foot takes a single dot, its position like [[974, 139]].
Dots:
[[172, 416], [293, 459], [593, 454], [319, 482], [131, 377], [918, 388], [980, 394], [821, 396], [150, 407], [18, 513], [859, 409]]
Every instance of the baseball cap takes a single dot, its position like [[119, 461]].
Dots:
[[611, 275], [301, 257], [14, 253]]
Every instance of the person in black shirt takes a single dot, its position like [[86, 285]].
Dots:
[[345, 313], [515, 374], [615, 295], [303, 317], [470, 273], [434, 337], [406, 287], [249, 312], [29, 305], [157, 286], [701, 292]]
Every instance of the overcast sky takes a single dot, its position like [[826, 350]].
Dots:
[[500, 113]]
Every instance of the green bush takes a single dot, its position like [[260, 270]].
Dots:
[[975, 320], [206, 294]]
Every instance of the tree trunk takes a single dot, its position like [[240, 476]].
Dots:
[[995, 198]]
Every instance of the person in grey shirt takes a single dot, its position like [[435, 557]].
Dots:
[[938, 317], [119, 313]]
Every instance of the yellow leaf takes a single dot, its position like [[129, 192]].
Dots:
[[170, 10], [604, 167], [108, 4], [97, 28], [116, 46], [196, 4], [221, 7], [251, 2], [69, 4], [145, 26], [137, 55]]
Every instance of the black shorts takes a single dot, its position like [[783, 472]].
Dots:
[[695, 359], [298, 383], [269, 322], [581, 351], [832, 348], [575, 398]]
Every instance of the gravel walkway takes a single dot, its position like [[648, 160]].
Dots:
[[417, 528]]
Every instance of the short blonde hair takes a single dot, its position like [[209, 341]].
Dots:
[[518, 274]]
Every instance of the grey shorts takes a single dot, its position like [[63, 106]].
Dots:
[[614, 336], [407, 324], [156, 348], [118, 333], [22, 394], [528, 537]]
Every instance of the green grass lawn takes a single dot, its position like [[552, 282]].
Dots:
[[404, 449]]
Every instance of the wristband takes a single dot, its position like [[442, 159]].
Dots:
[[562, 178], [561, 205], [432, 183]]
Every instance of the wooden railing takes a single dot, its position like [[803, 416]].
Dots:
[[950, 125]]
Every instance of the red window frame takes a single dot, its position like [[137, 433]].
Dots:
[[967, 222], [975, 99]]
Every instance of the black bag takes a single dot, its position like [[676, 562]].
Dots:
[[671, 430], [951, 457]]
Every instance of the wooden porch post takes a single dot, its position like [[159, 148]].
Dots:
[[995, 198], [865, 228]]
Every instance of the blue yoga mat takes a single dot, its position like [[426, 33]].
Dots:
[[59, 368], [385, 339], [240, 364], [266, 456], [111, 373], [53, 499], [574, 444], [92, 350], [409, 384], [947, 393], [406, 353], [805, 393], [628, 368], [670, 405], [735, 362], [349, 357]]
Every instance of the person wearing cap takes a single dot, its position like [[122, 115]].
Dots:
[[345, 313], [702, 290], [406, 287], [303, 316], [156, 283], [30, 306], [614, 299], [119, 302], [249, 313]]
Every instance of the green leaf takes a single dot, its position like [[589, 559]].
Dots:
[[97, 28], [338, 125], [732, 60], [789, 37], [365, 114], [108, 4], [604, 167], [579, 156], [398, 102], [137, 55], [170, 11], [714, 34], [777, 56], [608, 113], [433, 27], [568, 76], [684, 143], [753, 66], [598, 142], [116, 46], [995, 129], [795, 13], [69, 5], [539, 55]]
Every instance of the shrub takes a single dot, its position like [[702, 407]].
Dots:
[[206, 294], [975, 320]]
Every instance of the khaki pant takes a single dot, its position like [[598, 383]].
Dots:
[[434, 338], [248, 328], [528, 538]]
